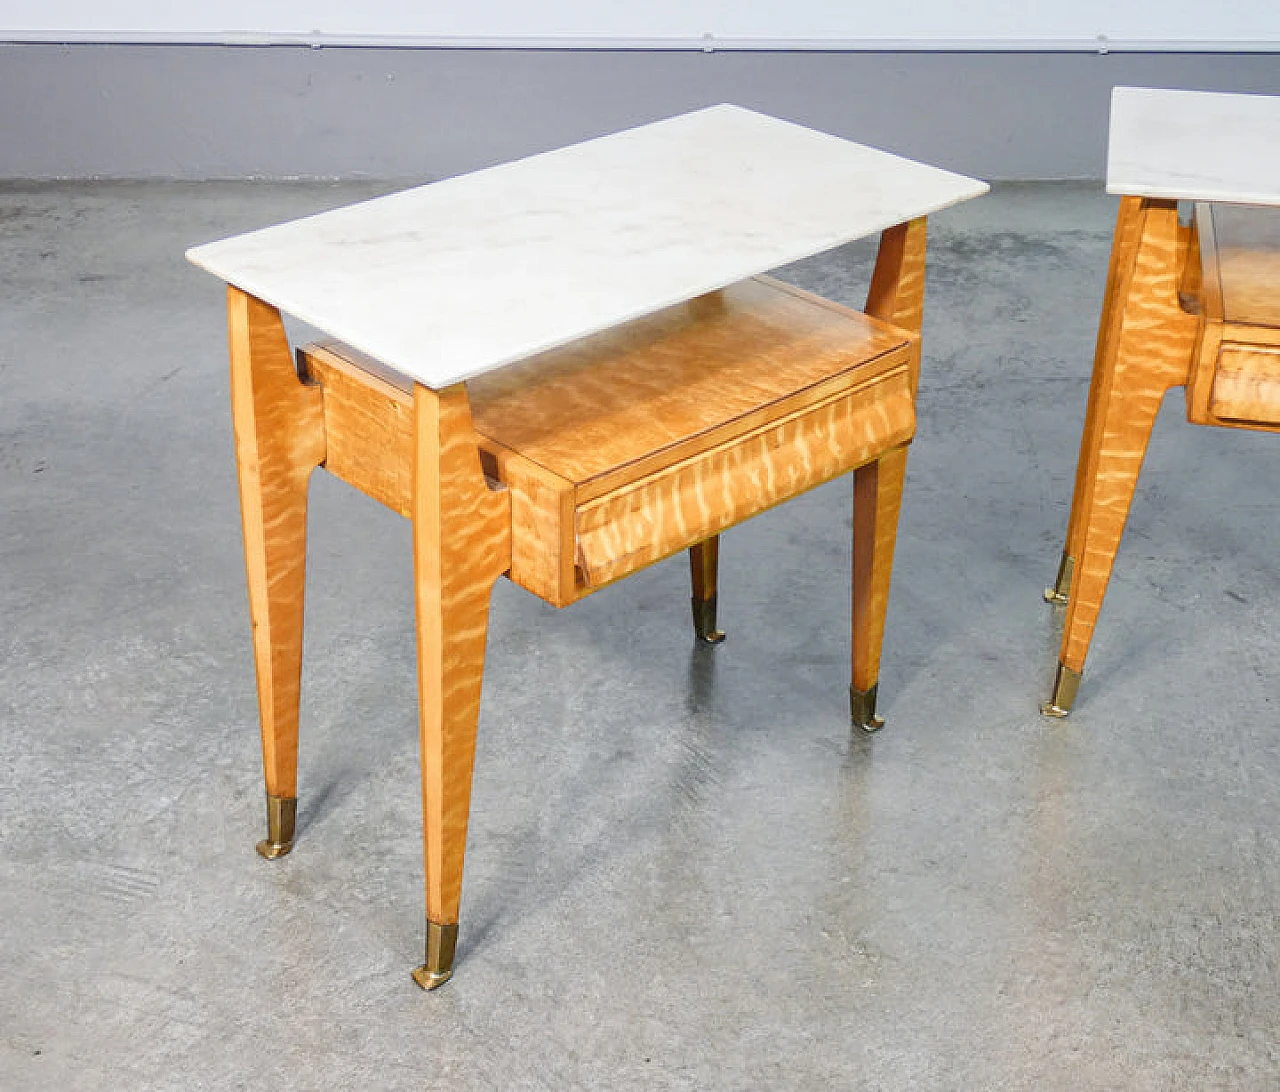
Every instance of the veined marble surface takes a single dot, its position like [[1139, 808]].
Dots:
[[1194, 146], [453, 279]]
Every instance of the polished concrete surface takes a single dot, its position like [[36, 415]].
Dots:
[[684, 871]]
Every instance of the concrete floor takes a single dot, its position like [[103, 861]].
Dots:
[[684, 870]]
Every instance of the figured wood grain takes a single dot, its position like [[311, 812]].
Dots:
[[1233, 383], [1204, 367], [279, 440], [877, 501], [368, 423], [542, 527], [1240, 250], [365, 407], [1150, 352], [1127, 231], [896, 295], [649, 519], [461, 545], [1246, 384], [1249, 335], [1251, 286], [587, 422], [1232, 378], [622, 404]]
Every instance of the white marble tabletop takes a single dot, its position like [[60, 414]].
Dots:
[[446, 281], [1194, 146]]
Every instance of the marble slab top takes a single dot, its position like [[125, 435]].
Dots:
[[1194, 146], [453, 279]]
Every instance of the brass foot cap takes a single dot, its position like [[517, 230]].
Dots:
[[862, 709], [1065, 685], [704, 621], [442, 940], [431, 980], [1061, 590], [282, 812]]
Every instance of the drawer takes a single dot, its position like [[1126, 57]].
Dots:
[[647, 520], [630, 445], [1246, 383]]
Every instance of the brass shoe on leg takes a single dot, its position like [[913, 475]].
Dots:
[[704, 569], [438, 969], [282, 811], [704, 621], [1061, 590], [862, 709], [1065, 684]]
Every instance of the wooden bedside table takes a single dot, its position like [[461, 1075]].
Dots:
[[564, 369], [1195, 306]]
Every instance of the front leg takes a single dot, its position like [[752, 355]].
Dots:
[[897, 296], [280, 439], [461, 545], [877, 500], [1128, 228], [1147, 351]]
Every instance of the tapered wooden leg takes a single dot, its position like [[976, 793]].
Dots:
[[279, 438], [896, 295], [704, 567], [1148, 350], [461, 545], [1128, 226], [877, 499]]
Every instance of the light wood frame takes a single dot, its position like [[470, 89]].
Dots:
[[1159, 330], [480, 511]]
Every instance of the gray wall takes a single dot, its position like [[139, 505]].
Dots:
[[190, 112]]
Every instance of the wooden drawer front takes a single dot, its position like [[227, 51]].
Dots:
[[1246, 383], [656, 516]]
